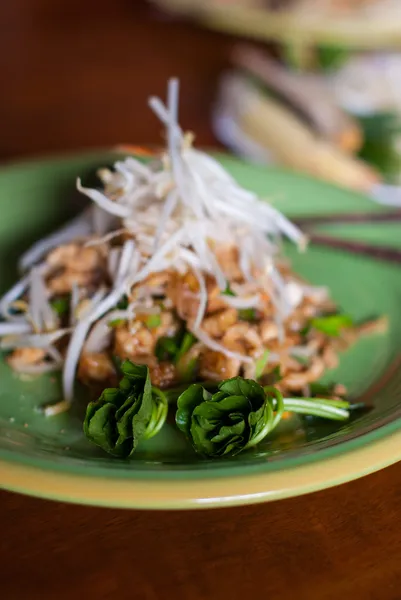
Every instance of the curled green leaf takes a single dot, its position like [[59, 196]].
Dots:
[[122, 416], [239, 415]]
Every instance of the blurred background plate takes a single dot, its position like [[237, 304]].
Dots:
[[314, 85], [358, 24], [51, 458]]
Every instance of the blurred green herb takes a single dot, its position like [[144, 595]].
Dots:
[[380, 133], [174, 348], [61, 305], [228, 291], [166, 348], [186, 344], [187, 366], [123, 303], [187, 369], [153, 321], [116, 322], [332, 325], [117, 363], [330, 58], [247, 314]]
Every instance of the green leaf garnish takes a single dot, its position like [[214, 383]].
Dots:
[[305, 330], [228, 291], [61, 305], [186, 344], [117, 363], [247, 314], [332, 325], [186, 367], [153, 321], [380, 134], [187, 371], [166, 348], [174, 348], [330, 58], [123, 303], [122, 416], [228, 421], [116, 322], [241, 414]]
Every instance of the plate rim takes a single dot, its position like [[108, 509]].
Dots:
[[206, 492]]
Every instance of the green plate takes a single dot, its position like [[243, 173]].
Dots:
[[50, 457]]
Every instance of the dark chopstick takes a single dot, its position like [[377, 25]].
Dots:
[[362, 217], [386, 253]]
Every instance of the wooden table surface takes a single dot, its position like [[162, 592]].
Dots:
[[77, 74]]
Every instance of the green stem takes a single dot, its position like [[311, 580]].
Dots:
[[161, 417], [318, 407], [274, 408], [159, 413], [152, 422], [279, 403]]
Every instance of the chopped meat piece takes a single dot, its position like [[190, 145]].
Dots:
[[217, 366], [95, 366]]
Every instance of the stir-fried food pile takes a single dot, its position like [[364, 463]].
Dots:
[[176, 267]]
